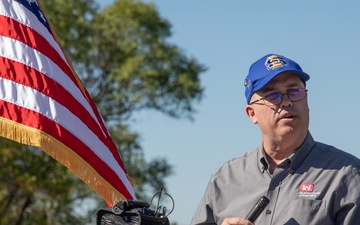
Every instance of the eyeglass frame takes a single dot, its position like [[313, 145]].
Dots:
[[282, 97]]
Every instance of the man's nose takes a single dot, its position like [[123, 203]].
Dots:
[[286, 101]]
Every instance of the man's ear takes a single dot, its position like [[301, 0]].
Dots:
[[250, 112]]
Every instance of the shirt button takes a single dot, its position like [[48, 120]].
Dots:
[[268, 211], [275, 183]]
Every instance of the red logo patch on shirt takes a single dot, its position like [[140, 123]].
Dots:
[[307, 187]]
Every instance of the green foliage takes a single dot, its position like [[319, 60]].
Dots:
[[149, 176], [72, 22], [36, 189], [135, 68], [125, 61]]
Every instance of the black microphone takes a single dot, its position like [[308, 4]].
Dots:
[[257, 209]]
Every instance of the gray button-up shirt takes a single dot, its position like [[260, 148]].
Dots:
[[318, 184]]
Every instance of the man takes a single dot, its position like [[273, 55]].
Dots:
[[307, 182]]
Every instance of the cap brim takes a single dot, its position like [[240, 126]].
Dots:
[[303, 76]]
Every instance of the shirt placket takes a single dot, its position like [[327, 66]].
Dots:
[[274, 191]]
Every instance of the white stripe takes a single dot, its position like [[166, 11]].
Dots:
[[18, 12], [19, 52], [29, 98]]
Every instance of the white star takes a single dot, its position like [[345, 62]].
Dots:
[[40, 13], [31, 1], [42, 16]]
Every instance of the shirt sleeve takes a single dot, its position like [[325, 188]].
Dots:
[[349, 213], [204, 212]]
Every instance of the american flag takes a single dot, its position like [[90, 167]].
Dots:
[[44, 104]]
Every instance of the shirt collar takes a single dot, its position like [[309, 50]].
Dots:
[[300, 154], [295, 159]]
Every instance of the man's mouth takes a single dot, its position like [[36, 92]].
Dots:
[[288, 116]]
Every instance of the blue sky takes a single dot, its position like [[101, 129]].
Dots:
[[227, 36]]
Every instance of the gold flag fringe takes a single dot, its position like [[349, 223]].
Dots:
[[31, 136]]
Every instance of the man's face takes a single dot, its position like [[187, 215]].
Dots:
[[286, 120]]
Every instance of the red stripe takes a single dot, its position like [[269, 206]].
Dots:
[[27, 35], [12, 29], [32, 78], [30, 37], [16, 72], [33, 119]]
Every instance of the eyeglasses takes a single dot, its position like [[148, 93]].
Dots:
[[295, 95]]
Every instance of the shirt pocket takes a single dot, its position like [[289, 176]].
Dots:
[[306, 211]]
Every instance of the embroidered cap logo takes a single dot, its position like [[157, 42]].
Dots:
[[247, 83], [274, 61]]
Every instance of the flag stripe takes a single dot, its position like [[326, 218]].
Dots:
[[17, 12], [18, 52], [30, 118], [37, 53], [46, 105], [49, 86], [34, 101], [39, 48], [29, 37], [38, 81], [32, 56], [64, 155]]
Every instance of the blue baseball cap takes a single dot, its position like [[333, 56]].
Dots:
[[265, 69]]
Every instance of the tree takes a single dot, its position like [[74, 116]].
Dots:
[[124, 59], [135, 68], [34, 188]]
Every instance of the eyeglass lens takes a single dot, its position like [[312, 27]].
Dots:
[[294, 95]]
